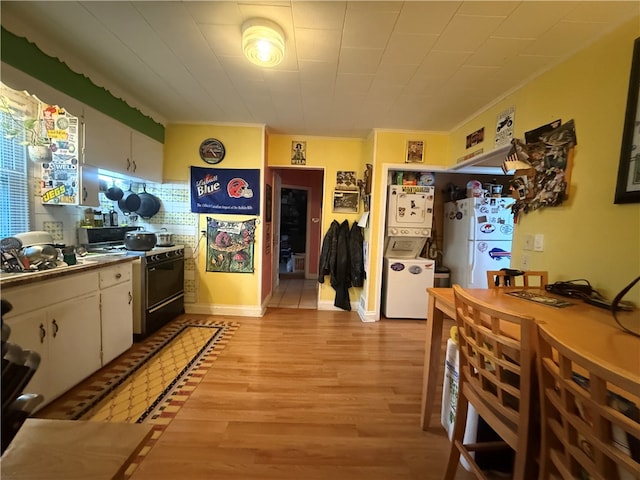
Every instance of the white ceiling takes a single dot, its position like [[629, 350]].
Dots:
[[350, 66]]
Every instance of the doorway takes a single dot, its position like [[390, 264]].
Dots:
[[293, 231], [294, 290], [296, 251]]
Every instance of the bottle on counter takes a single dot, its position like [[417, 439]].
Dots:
[[113, 218]]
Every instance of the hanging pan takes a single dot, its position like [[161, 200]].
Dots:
[[149, 204], [114, 193], [130, 201]]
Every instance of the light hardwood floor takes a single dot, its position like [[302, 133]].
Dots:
[[310, 395]]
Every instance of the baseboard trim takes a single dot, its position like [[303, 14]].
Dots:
[[232, 310]]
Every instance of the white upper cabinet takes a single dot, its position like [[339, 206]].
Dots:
[[107, 142], [146, 154], [89, 186], [111, 145]]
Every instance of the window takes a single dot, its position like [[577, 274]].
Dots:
[[14, 174]]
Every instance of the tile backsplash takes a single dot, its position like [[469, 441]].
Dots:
[[62, 221]]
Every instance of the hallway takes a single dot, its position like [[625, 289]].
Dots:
[[295, 291]]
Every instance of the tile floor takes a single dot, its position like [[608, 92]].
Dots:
[[295, 292]]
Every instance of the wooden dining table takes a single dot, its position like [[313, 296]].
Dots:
[[586, 328]]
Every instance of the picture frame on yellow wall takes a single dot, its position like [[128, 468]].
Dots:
[[415, 151], [345, 202], [628, 184]]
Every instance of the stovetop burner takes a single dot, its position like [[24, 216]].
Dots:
[[173, 250]]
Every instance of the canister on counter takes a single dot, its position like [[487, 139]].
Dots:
[[97, 218]]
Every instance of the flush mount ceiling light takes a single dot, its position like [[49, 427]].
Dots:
[[262, 42]]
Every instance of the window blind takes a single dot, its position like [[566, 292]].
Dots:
[[14, 180]]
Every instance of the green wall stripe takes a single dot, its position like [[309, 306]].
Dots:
[[26, 56]]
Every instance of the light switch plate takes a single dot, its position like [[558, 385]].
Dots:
[[538, 243], [528, 242]]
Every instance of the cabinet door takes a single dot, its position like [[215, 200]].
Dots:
[[89, 186], [117, 320], [146, 154], [107, 142], [74, 341], [29, 332]]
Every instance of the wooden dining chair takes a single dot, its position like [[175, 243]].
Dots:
[[496, 365], [528, 279], [590, 420]]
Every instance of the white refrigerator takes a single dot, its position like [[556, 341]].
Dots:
[[477, 238]]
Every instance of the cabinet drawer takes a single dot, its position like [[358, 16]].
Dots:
[[50, 292], [113, 275]]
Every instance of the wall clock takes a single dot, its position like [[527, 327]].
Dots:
[[212, 151]]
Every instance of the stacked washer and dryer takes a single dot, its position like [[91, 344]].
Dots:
[[406, 275]]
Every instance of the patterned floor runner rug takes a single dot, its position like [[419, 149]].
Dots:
[[151, 381]]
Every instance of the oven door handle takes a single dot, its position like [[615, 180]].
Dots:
[[166, 302], [155, 266]]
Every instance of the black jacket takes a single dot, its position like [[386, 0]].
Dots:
[[328, 252], [356, 242], [341, 258], [342, 279]]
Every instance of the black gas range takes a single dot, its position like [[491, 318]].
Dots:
[[158, 278]]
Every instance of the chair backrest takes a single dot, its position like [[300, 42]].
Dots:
[[496, 363], [530, 278], [590, 418]]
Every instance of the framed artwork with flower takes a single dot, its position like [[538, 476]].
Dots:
[[230, 246]]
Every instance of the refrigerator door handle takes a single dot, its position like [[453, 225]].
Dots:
[[472, 262]]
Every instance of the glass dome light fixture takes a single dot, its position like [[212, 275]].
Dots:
[[262, 42]]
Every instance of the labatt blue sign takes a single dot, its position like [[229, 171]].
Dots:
[[230, 191]]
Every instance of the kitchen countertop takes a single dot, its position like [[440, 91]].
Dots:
[[85, 264], [62, 449]]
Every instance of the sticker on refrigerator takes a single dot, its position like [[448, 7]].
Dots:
[[397, 266], [415, 269], [506, 229], [488, 228], [499, 254]]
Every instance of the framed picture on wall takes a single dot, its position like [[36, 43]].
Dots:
[[415, 151], [346, 180], [298, 152], [345, 202], [628, 184]]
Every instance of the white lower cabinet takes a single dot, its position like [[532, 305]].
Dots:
[[116, 299], [74, 342], [67, 337], [76, 323]]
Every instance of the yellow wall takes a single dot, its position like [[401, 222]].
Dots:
[[244, 149], [389, 147], [331, 154], [588, 236]]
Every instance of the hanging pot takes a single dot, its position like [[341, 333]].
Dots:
[[149, 204], [114, 193], [130, 201]]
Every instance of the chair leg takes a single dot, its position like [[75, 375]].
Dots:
[[459, 427]]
